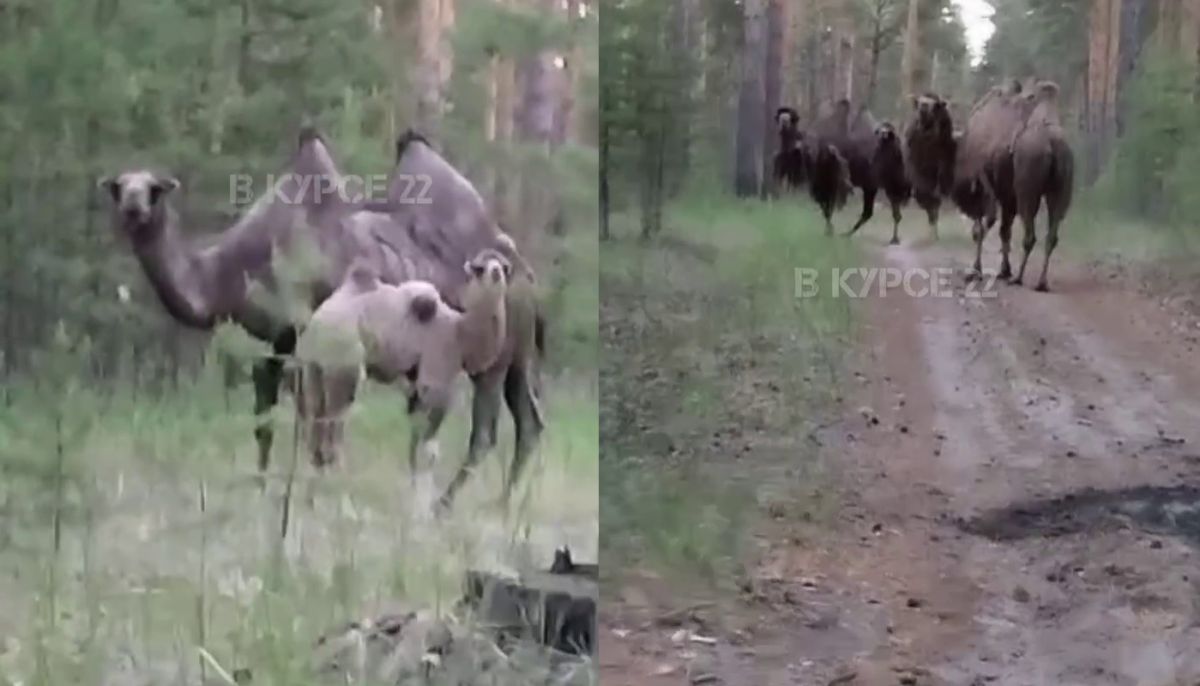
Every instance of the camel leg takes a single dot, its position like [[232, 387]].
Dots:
[[1006, 222], [527, 418], [267, 375], [895, 223], [1051, 241], [978, 233], [423, 430], [827, 212], [932, 213], [1028, 241], [485, 410], [868, 209]]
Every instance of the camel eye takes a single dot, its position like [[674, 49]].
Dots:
[[477, 270]]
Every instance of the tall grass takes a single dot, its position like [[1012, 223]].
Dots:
[[714, 371], [133, 536]]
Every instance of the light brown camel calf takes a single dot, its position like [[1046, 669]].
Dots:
[[398, 334]]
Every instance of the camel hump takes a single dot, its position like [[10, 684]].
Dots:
[[363, 275], [408, 137], [424, 306], [308, 134]]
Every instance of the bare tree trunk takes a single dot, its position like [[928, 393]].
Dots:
[[911, 59], [751, 98], [1104, 25], [772, 86], [1129, 48]]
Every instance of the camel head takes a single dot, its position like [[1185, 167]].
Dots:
[[138, 200], [885, 134], [487, 277], [932, 113], [787, 119]]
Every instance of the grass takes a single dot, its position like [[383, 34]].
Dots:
[[713, 375], [132, 535]]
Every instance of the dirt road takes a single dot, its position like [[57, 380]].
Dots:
[[1021, 478]]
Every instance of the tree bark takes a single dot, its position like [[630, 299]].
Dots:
[[751, 98], [911, 58], [772, 84]]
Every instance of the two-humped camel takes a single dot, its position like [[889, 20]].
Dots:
[[405, 238], [1011, 156], [395, 334]]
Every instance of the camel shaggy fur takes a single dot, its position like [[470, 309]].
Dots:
[[983, 169], [398, 333], [791, 160], [887, 164], [929, 152], [433, 221], [852, 134], [1043, 169], [829, 183]]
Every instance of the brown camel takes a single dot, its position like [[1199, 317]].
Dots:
[[887, 164], [983, 169], [394, 333], [432, 224], [1043, 168], [852, 134], [929, 150]]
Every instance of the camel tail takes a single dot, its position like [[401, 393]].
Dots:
[[424, 306], [405, 139], [539, 334], [1062, 178]]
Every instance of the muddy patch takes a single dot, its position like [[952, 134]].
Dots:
[[1163, 510]]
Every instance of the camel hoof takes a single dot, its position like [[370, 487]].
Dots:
[[894, 241], [1042, 287], [973, 276], [1015, 281]]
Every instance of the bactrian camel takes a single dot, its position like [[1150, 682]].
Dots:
[[1043, 168], [398, 334], [425, 235]]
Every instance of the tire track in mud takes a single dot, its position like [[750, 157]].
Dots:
[[1049, 416]]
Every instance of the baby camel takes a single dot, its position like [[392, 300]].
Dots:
[[397, 333]]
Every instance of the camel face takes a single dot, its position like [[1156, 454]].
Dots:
[[489, 271], [932, 113], [886, 133], [138, 198]]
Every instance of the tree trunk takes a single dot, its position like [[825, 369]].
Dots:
[[910, 60], [751, 98], [1129, 48], [603, 173], [427, 71], [772, 86], [1103, 34]]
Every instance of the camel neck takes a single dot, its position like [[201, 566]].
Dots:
[[481, 332], [177, 274]]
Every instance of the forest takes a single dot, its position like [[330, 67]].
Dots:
[[803, 484], [135, 546]]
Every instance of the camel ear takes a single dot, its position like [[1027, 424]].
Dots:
[[467, 267], [109, 185], [167, 185]]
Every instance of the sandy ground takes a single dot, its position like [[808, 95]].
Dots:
[[1020, 477]]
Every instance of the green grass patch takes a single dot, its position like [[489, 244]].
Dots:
[[132, 533], [713, 372]]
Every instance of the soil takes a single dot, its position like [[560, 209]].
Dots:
[[1020, 503]]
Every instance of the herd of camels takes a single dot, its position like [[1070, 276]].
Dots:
[[407, 293], [1010, 158]]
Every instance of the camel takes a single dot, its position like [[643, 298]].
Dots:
[[1043, 168], [887, 164], [392, 333], [852, 134], [427, 235], [829, 183], [791, 160], [983, 170], [929, 151]]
